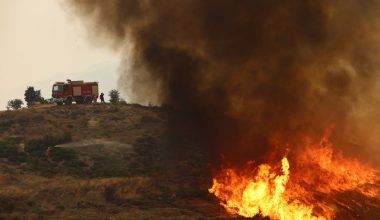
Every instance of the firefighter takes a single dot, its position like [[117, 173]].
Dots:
[[102, 97]]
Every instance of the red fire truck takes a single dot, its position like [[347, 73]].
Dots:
[[75, 91]]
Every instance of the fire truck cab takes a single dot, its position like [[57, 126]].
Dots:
[[75, 91]]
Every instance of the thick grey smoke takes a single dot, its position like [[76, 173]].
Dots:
[[238, 73]]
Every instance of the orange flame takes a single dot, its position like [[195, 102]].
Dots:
[[336, 173], [267, 191], [263, 194]]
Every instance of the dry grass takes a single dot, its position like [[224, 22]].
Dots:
[[24, 196], [117, 166], [82, 121]]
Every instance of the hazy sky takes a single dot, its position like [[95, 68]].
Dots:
[[41, 43]]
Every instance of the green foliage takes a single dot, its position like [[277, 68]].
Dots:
[[32, 96], [105, 167], [114, 96], [61, 154], [6, 149], [149, 158], [36, 153], [43, 100], [38, 147], [12, 153], [48, 160], [15, 104]]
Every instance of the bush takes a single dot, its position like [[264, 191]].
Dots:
[[44, 101], [37, 158], [6, 123], [15, 104], [114, 96], [6, 150], [61, 154], [11, 152], [54, 160], [38, 147]]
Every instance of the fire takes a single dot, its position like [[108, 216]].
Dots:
[[263, 194], [336, 173], [309, 192]]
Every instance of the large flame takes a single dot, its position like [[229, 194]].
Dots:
[[263, 193], [306, 193]]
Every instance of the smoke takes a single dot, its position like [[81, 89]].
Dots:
[[239, 75]]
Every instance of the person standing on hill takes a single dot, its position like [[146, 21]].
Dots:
[[102, 97]]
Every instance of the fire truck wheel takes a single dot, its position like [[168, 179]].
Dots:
[[69, 101], [79, 100], [88, 100]]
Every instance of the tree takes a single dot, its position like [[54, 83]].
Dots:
[[43, 100], [32, 96], [114, 96], [15, 104]]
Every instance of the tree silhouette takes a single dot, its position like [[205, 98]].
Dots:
[[15, 104], [114, 96], [32, 96]]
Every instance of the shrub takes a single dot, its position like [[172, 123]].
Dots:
[[39, 146], [11, 152], [6, 123], [114, 96], [61, 154], [6, 150], [15, 104]]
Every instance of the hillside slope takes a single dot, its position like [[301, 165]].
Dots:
[[99, 162]]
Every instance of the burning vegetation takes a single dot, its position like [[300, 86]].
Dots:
[[257, 80], [310, 190]]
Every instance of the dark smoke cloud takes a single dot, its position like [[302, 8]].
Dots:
[[239, 74]]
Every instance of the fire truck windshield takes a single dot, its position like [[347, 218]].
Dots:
[[57, 88]]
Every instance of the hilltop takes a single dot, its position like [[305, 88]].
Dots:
[[99, 162]]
